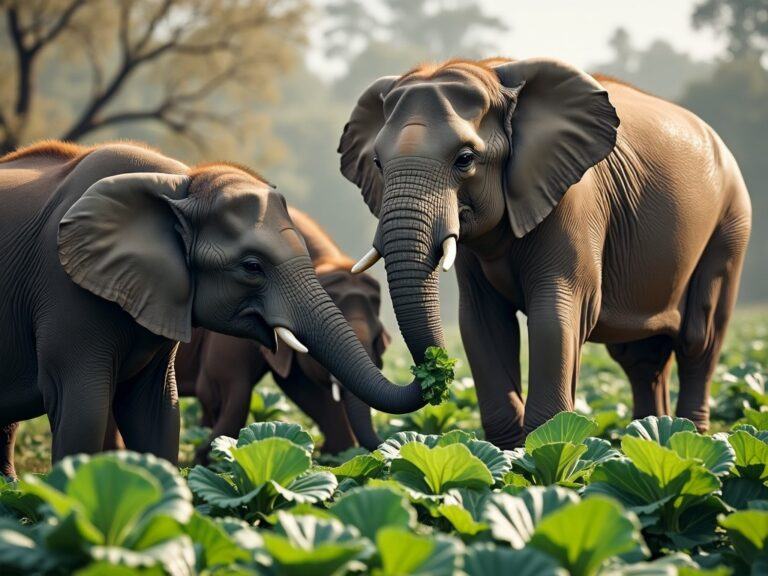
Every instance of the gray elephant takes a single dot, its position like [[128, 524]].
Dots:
[[632, 234], [111, 255], [221, 370]]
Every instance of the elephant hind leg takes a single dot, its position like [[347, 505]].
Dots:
[[647, 364], [710, 303], [7, 444]]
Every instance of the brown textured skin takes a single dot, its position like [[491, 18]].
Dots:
[[643, 253], [221, 370], [168, 248]]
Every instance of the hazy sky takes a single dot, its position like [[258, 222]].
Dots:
[[578, 30]]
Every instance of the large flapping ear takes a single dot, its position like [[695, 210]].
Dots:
[[356, 144], [560, 123], [126, 241]]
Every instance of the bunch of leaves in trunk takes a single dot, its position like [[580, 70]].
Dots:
[[117, 509], [435, 374], [267, 467], [561, 451]]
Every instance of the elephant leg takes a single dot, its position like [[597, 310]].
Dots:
[[112, 438], [77, 400], [7, 444], [233, 414], [210, 400], [146, 408], [711, 299], [317, 402], [491, 336], [647, 364], [558, 321]]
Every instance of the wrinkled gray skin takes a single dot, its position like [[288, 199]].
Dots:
[[221, 370], [110, 255], [630, 235]]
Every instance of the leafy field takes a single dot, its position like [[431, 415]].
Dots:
[[590, 493]]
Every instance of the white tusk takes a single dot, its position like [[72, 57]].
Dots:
[[370, 258], [335, 390], [449, 252], [287, 336]]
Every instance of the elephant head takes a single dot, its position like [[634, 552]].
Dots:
[[215, 247], [447, 153]]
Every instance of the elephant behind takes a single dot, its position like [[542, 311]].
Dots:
[[221, 370], [601, 212]]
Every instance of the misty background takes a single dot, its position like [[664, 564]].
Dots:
[[270, 83]]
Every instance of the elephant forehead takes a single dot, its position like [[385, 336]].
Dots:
[[239, 208], [428, 138], [437, 100]]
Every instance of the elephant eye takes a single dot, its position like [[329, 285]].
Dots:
[[465, 160], [252, 266], [377, 162]]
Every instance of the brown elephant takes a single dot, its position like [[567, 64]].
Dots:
[[221, 370], [632, 234], [111, 255]]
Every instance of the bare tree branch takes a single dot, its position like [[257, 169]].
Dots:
[[195, 51]]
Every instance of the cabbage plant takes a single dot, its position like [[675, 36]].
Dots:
[[269, 466], [561, 451], [115, 509]]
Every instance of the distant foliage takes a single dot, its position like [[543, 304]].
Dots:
[[189, 69], [744, 22]]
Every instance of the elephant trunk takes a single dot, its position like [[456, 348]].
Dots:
[[419, 213], [320, 325], [361, 422]]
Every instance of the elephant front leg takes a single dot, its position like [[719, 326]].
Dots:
[[146, 408], [555, 340], [77, 400], [491, 336]]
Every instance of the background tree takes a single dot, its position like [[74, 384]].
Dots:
[[734, 100], [744, 22], [372, 38], [185, 68], [659, 68]]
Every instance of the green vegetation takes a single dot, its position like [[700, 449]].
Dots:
[[590, 492], [435, 374]]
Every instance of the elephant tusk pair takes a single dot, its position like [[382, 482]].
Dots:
[[373, 256], [290, 339]]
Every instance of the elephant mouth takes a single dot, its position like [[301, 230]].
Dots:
[[258, 328]]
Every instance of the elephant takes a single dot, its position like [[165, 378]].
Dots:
[[221, 370], [599, 211], [111, 254]]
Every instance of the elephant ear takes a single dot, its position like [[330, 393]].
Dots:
[[127, 241], [280, 360], [559, 123], [356, 144], [382, 342]]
